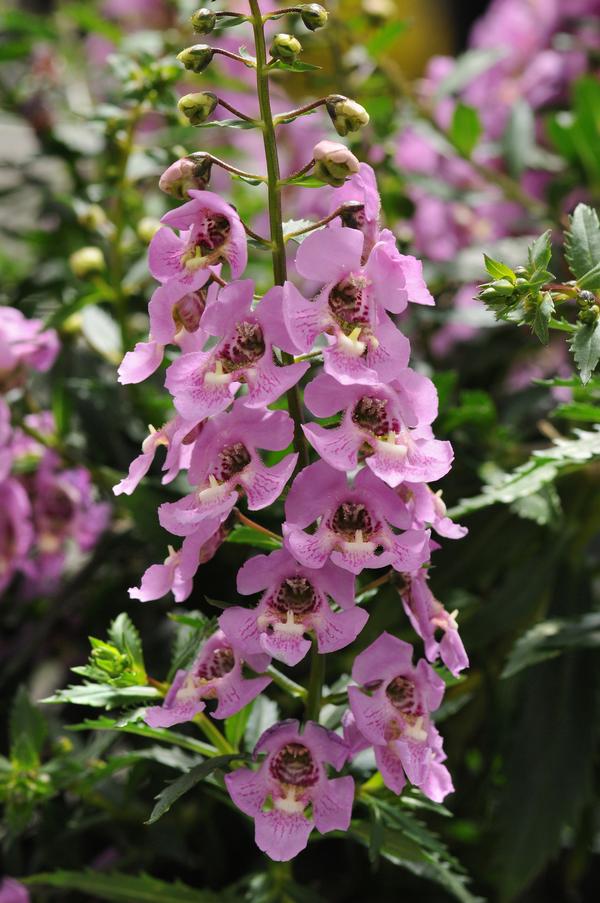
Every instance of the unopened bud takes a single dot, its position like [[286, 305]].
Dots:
[[185, 174], [92, 217], [285, 47], [147, 228], [86, 262], [196, 58], [203, 21], [334, 162], [347, 115], [586, 298], [198, 107], [314, 16]]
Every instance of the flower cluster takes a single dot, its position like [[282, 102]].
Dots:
[[362, 502], [47, 506]]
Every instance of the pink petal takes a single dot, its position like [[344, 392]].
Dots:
[[326, 745], [281, 835], [235, 691], [384, 659], [329, 254], [263, 485], [164, 255], [311, 550], [335, 631], [304, 320], [338, 446], [185, 516], [410, 550], [138, 469], [270, 314], [288, 648], [248, 790], [139, 364], [332, 808], [267, 381], [258, 572], [324, 396], [370, 713], [241, 629], [314, 490], [391, 769], [438, 783]]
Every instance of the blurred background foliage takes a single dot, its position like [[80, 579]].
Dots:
[[89, 94]]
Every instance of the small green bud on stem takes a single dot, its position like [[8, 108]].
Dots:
[[198, 107], [203, 21], [347, 115], [197, 57], [285, 47], [314, 16], [86, 261]]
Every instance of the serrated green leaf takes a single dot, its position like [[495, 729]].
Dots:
[[582, 241], [544, 466], [102, 695], [465, 129], [28, 730], [591, 280], [498, 270], [543, 313], [127, 639], [549, 639], [585, 345], [122, 888], [175, 789], [539, 252]]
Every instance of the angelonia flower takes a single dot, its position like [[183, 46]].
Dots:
[[353, 482], [48, 508], [12, 891]]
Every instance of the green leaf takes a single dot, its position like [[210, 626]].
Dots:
[[578, 410], [227, 124], [28, 730], [122, 888], [582, 241], [518, 140], [294, 225], [544, 466], [465, 129], [591, 280], [543, 313], [175, 789], [296, 66], [235, 726], [230, 21], [141, 729], [585, 345], [499, 270], [385, 36], [550, 639], [103, 695], [468, 67], [248, 536], [127, 638], [539, 252]]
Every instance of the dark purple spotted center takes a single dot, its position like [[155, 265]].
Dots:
[[220, 662], [350, 517], [402, 694], [295, 594], [371, 414], [294, 765], [232, 460], [348, 303], [215, 233], [245, 348]]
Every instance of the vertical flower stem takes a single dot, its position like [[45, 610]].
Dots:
[[274, 201], [315, 684], [212, 733]]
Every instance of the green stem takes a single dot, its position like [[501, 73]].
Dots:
[[286, 684], [212, 733], [315, 684], [275, 211]]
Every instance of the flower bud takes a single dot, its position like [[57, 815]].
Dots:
[[198, 107], [285, 47], [347, 115], [184, 174], [197, 57], [314, 16], [333, 162], [147, 228], [86, 261], [203, 21], [585, 298], [92, 217]]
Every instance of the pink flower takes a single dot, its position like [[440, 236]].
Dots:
[[388, 419], [215, 674], [361, 188], [24, 343], [210, 233], [177, 435], [205, 382], [295, 602], [16, 530], [291, 778], [225, 461], [12, 891], [355, 523], [175, 318], [392, 709], [428, 510], [428, 616]]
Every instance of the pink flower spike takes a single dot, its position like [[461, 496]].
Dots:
[[204, 383], [210, 233], [215, 674], [294, 603], [429, 510], [291, 778], [355, 525], [177, 571], [392, 711]]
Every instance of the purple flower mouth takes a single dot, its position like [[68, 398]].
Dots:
[[295, 766], [351, 518], [233, 459], [401, 693], [371, 414], [348, 303], [245, 348], [295, 594], [220, 663]]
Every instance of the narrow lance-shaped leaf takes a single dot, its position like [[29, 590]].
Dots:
[[175, 789]]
